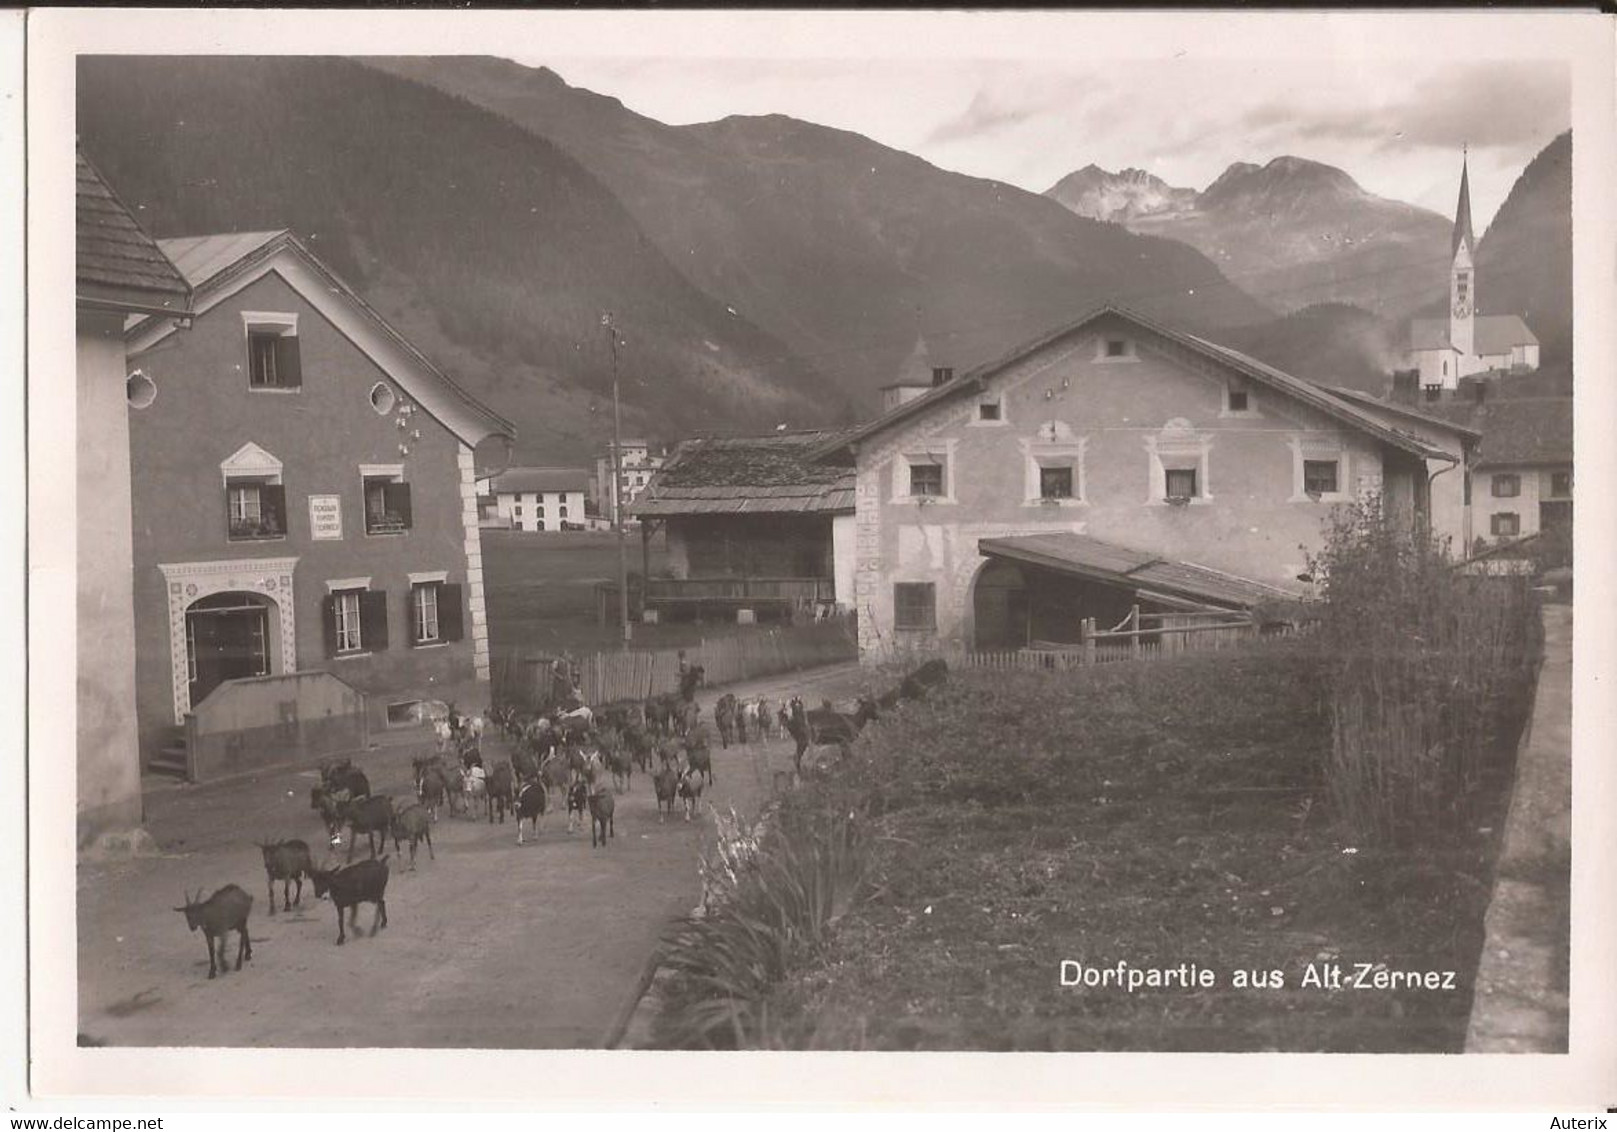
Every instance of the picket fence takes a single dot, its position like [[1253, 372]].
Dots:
[[1139, 636], [605, 677]]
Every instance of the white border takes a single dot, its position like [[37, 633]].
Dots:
[[1585, 1079]]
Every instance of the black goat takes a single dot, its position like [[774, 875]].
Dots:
[[500, 790], [825, 726], [530, 807], [578, 802], [285, 861], [917, 684], [601, 807], [371, 816], [225, 911], [413, 824], [364, 883]]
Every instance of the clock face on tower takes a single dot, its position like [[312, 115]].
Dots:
[[1461, 310]]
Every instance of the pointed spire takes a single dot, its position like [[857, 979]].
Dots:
[[1462, 212]]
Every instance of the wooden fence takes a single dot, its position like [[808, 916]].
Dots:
[[635, 674], [1139, 636]]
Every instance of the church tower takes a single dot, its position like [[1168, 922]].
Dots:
[[1463, 277]]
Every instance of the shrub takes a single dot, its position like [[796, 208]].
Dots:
[[772, 907], [1424, 664]]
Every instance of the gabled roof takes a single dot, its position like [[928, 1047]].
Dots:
[[1491, 334], [1454, 422], [1310, 394], [1086, 557], [514, 480], [752, 474], [118, 264], [1525, 431], [219, 265]]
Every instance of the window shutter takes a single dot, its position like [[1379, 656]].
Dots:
[[328, 622], [450, 620], [373, 620], [398, 501], [288, 369], [272, 506]]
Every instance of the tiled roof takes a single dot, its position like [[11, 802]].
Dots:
[[1452, 415], [1106, 562], [1264, 374], [514, 480], [757, 474], [113, 252], [1492, 334], [1525, 430]]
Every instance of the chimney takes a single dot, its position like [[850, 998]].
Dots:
[[942, 375], [1405, 382]]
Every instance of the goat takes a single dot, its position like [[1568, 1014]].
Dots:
[[329, 804], [530, 807], [699, 757], [622, 768], [501, 791], [285, 861], [724, 715], [413, 824], [364, 883], [473, 786], [342, 774], [525, 763], [578, 801], [371, 816], [917, 684], [434, 790], [601, 806], [555, 772], [666, 784], [223, 912], [826, 726], [690, 790]]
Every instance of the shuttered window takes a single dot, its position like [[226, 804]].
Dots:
[[355, 621], [387, 506], [272, 360], [254, 509]]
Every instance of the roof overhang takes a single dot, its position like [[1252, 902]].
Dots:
[[1300, 390], [281, 254], [1151, 577]]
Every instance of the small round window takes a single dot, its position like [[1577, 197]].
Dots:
[[140, 390], [382, 398]]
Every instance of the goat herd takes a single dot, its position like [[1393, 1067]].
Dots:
[[581, 755]]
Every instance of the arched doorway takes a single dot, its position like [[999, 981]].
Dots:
[[227, 637], [1000, 607]]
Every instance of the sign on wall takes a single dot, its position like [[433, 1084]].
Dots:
[[325, 516]]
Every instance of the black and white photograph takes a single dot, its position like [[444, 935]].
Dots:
[[935, 533]]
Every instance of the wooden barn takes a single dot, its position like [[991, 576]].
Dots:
[[753, 527]]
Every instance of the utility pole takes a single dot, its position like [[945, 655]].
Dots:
[[617, 485]]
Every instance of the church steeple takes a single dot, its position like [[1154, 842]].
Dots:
[[1462, 287], [1462, 211]]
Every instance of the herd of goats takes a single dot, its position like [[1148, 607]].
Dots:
[[583, 755]]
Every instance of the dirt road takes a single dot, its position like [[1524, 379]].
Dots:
[[488, 946]]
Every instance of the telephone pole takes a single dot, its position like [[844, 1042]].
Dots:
[[617, 485]]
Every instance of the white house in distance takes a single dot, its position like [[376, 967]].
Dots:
[[1445, 350], [639, 462], [539, 499]]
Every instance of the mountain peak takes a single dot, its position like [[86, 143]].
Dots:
[[1285, 179]]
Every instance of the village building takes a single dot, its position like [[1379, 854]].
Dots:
[[304, 496], [1444, 350], [538, 499], [120, 273], [638, 464], [1111, 463], [754, 526]]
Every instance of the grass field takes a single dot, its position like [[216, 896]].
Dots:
[[1153, 815]]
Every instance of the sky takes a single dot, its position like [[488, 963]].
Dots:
[[1396, 127]]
